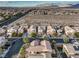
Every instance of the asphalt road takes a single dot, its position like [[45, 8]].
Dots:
[[15, 47], [14, 18], [57, 52]]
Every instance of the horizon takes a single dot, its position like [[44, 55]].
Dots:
[[33, 3]]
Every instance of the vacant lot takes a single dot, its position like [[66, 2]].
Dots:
[[49, 19]]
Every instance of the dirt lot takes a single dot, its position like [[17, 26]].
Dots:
[[49, 19]]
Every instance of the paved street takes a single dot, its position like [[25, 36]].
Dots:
[[15, 47], [57, 52]]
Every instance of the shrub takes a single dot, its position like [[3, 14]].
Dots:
[[22, 52], [55, 34], [53, 41], [26, 40], [45, 38], [66, 39], [33, 34], [1, 50], [20, 34], [14, 34], [77, 34]]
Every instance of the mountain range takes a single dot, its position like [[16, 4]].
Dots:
[[58, 5]]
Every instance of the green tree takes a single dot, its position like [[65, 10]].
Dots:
[[45, 37], [1, 50], [14, 34], [77, 34], [65, 39], [1, 14], [20, 34], [26, 40], [33, 34], [22, 52], [53, 41]]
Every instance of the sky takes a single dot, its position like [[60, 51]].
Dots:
[[32, 3]]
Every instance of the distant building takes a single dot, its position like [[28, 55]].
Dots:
[[50, 30], [25, 26], [59, 32], [32, 29], [11, 30], [1, 18], [40, 30], [2, 31], [47, 45], [71, 50], [20, 30], [69, 31], [35, 43], [76, 29]]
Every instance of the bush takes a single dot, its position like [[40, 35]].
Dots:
[[77, 34], [20, 34], [33, 34], [53, 41], [1, 50], [26, 40], [66, 39], [22, 52], [14, 34], [45, 38], [55, 34]]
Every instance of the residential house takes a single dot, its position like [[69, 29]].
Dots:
[[50, 30], [76, 29], [2, 31], [40, 30], [32, 29], [35, 43], [1, 18], [44, 28], [25, 26], [59, 32], [41, 48], [11, 30], [21, 29], [69, 31], [71, 50]]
